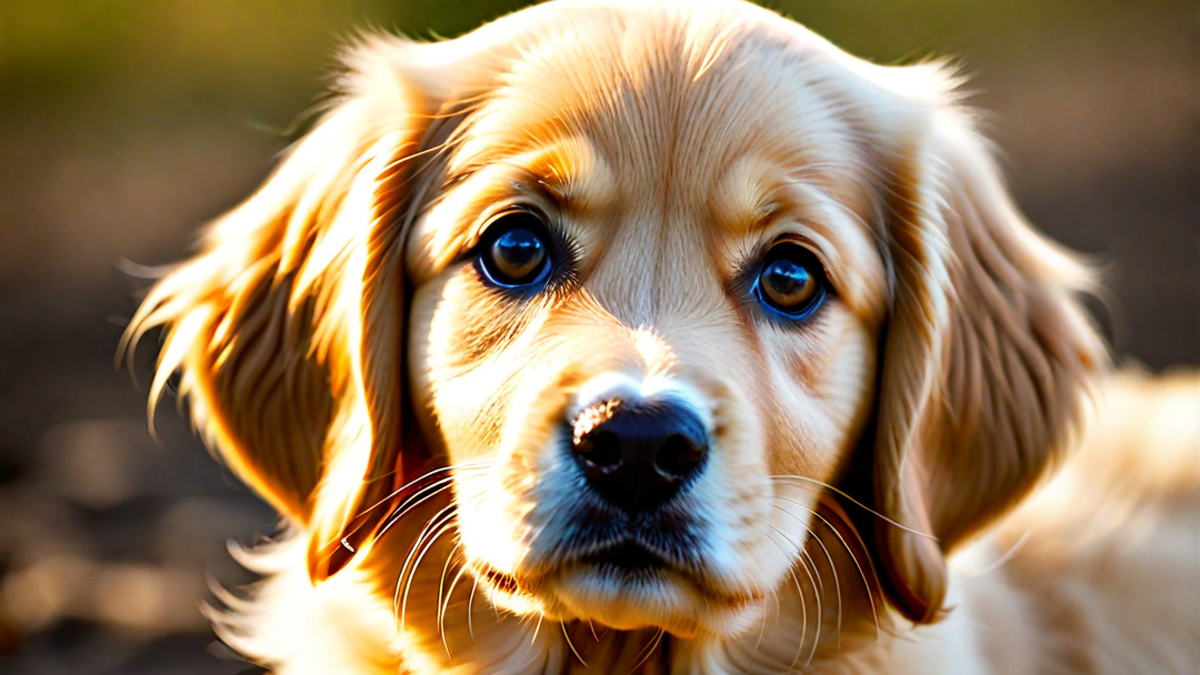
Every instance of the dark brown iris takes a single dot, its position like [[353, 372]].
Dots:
[[791, 280], [517, 256]]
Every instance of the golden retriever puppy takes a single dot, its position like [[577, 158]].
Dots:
[[665, 337]]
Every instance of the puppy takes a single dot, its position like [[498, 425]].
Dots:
[[666, 337]]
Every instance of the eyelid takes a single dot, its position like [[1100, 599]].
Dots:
[[490, 215], [811, 246], [752, 263], [797, 239]]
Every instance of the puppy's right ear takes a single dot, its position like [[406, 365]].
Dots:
[[287, 326]]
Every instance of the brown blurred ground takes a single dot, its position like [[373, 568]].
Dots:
[[124, 124]]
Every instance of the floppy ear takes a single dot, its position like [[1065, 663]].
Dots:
[[985, 356], [288, 325]]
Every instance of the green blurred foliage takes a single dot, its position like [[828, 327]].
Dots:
[[126, 74], [52, 49], [264, 52]]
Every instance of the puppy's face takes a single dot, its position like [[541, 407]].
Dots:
[[647, 300], [650, 281]]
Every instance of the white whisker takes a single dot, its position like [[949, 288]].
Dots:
[[443, 606], [437, 521], [471, 609], [648, 650], [814, 579], [571, 645], [854, 558], [857, 503], [536, 629], [803, 613], [837, 585]]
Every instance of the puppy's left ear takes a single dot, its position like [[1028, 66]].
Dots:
[[985, 357]]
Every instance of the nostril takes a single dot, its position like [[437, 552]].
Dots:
[[637, 456], [677, 457], [601, 449]]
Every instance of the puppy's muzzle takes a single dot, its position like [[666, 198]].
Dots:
[[638, 455]]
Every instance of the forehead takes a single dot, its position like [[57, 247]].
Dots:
[[672, 101], [676, 122]]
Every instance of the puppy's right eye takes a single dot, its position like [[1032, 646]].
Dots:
[[516, 251]]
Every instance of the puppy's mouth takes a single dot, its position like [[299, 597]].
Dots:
[[634, 564], [625, 585], [626, 558]]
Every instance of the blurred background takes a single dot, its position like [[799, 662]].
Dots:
[[125, 124]]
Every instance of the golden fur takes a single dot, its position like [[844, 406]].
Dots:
[[341, 354]]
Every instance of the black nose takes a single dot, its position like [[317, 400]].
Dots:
[[638, 455]]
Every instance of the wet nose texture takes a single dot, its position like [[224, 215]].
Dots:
[[638, 456]]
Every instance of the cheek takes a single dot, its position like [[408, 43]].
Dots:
[[466, 351], [822, 383]]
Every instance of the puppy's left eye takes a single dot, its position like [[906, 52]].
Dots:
[[791, 281], [515, 251]]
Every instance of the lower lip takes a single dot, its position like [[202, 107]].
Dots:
[[628, 560], [508, 585], [661, 577]]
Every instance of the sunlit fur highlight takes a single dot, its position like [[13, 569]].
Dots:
[[340, 355]]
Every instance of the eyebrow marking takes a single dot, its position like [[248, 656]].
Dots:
[[763, 216], [568, 172]]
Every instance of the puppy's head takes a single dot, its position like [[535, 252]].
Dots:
[[640, 284]]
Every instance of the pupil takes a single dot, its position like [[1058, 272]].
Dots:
[[518, 254], [787, 282]]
